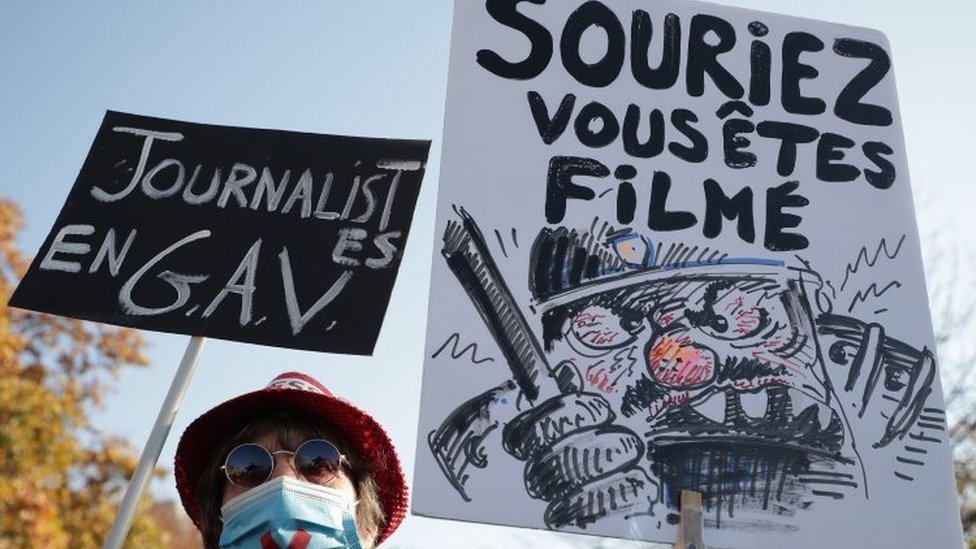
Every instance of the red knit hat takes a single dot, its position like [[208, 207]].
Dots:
[[295, 391]]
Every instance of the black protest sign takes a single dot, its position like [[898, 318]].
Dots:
[[263, 236]]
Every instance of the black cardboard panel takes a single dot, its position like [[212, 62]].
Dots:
[[262, 236]]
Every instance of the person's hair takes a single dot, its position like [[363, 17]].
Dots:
[[290, 429]]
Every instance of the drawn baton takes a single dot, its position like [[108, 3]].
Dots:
[[467, 255], [577, 459]]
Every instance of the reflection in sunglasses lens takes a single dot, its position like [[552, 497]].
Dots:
[[317, 460], [248, 465]]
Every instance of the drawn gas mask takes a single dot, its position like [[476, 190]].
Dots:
[[642, 371], [709, 358], [666, 341]]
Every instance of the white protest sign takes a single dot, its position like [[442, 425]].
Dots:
[[677, 250]]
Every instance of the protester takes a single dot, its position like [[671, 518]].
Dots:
[[290, 466]]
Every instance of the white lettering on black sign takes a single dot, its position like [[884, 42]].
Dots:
[[263, 236]]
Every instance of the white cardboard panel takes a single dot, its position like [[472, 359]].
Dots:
[[708, 312]]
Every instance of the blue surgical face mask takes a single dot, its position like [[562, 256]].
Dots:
[[285, 513]]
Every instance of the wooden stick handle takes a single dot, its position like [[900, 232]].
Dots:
[[690, 535], [150, 454]]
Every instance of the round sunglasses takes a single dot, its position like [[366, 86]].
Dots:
[[250, 464]]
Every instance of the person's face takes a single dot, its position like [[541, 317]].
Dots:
[[284, 468]]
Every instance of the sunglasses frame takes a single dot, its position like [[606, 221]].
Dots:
[[291, 454]]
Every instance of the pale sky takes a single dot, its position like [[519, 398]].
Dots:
[[365, 68]]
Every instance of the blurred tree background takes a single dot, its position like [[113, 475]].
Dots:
[[952, 299], [61, 479]]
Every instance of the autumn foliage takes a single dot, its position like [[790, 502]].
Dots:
[[60, 478]]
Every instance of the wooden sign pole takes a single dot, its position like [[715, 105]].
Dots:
[[150, 454], [690, 535]]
